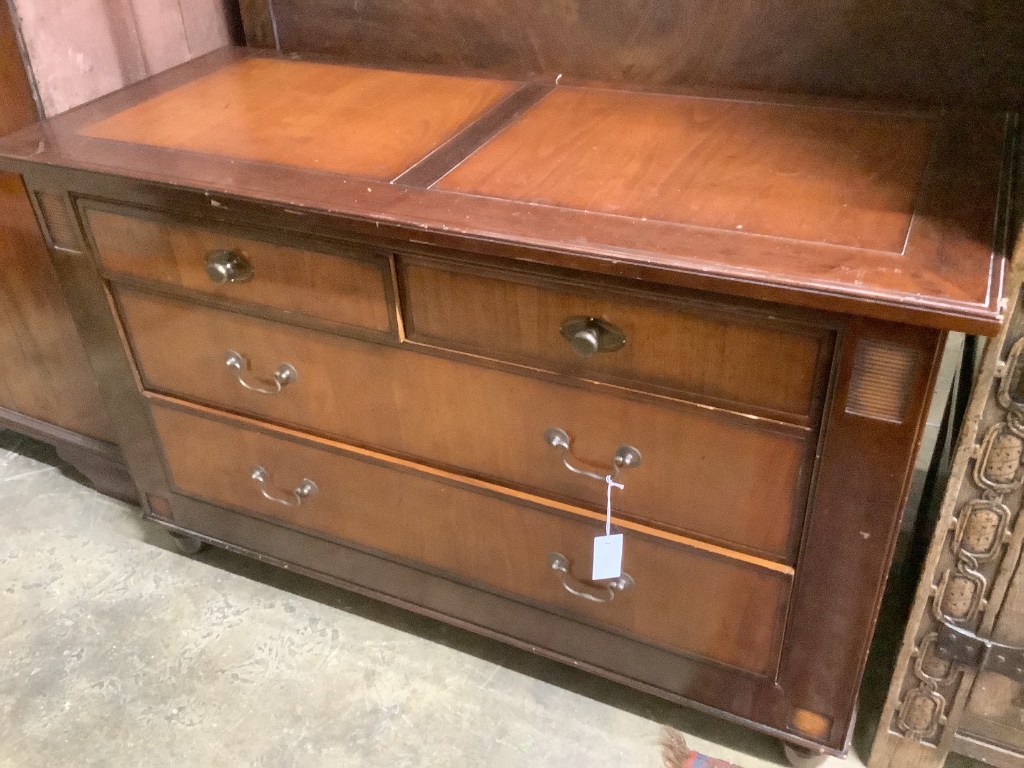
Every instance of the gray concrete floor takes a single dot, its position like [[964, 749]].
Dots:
[[115, 650]]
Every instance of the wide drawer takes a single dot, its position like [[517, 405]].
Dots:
[[741, 359], [347, 286], [711, 474], [683, 598]]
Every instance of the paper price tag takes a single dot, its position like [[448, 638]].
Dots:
[[608, 548], [607, 557]]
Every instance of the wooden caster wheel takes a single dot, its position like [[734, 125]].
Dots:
[[188, 545], [803, 757]]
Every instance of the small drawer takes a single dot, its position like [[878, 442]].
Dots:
[[348, 286], [739, 360], [735, 480], [681, 598]]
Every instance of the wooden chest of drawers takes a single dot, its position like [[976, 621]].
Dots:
[[399, 331]]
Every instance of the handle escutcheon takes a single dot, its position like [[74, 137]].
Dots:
[[284, 375], [560, 563], [626, 456], [224, 266], [307, 489], [589, 335]]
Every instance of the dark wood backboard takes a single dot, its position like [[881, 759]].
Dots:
[[934, 51]]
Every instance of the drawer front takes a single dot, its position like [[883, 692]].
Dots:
[[683, 598], [725, 478], [347, 287], [733, 359]]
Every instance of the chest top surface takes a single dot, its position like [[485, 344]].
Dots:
[[831, 205]]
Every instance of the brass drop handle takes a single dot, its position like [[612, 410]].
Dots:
[[560, 564], [307, 489], [224, 266], [626, 456], [589, 335], [284, 375]]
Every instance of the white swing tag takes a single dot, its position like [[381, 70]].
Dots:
[[608, 548], [607, 557]]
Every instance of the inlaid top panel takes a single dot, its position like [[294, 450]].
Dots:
[[361, 122], [822, 175]]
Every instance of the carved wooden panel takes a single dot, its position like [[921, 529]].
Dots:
[[971, 582]]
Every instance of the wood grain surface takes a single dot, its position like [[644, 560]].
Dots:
[[693, 349], [711, 474], [486, 541], [45, 372], [936, 51], [362, 122], [993, 711], [847, 178]]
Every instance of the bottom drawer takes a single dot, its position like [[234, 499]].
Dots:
[[683, 598]]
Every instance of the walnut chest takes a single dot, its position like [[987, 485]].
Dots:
[[400, 330]]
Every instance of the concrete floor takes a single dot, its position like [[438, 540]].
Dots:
[[115, 650]]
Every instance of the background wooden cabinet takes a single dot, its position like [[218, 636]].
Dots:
[[75, 51]]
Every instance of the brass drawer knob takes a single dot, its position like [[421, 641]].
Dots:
[[589, 335], [228, 267], [307, 489], [284, 375], [606, 592], [626, 456]]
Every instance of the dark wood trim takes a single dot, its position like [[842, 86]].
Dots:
[[102, 463], [439, 162], [857, 503], [937, 53], [85, 293]]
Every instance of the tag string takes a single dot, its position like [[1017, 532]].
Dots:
[[608, 516]]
